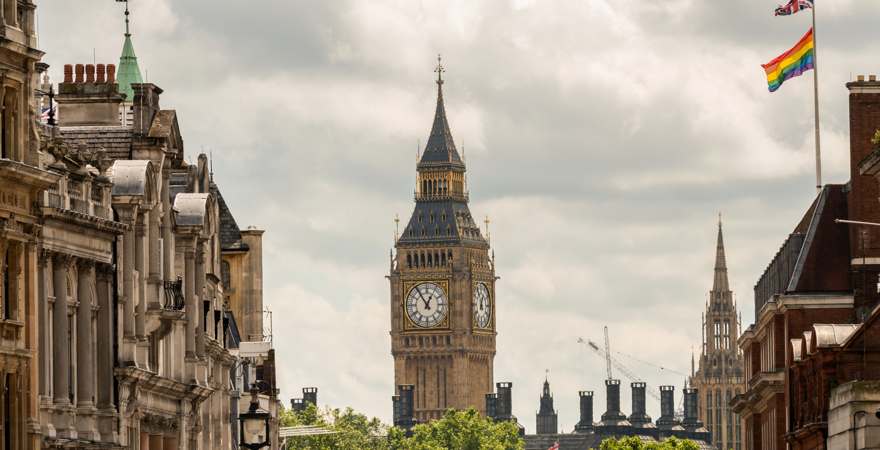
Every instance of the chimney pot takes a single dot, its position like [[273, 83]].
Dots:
[[80, 70], [100, 73], [68, 73], [860, 78], [90, 73], [111, 73]]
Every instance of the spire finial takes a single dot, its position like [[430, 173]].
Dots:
[[127, 13], [440, 69]]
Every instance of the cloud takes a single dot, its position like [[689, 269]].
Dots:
[[602, 138]]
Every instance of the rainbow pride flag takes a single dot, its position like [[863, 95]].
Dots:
[[792, 63]]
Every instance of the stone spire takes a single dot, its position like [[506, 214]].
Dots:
[[440, 149], [129, 72], [720, 284]]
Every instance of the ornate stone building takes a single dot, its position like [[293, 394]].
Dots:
[[719, 376], [22, 182], [442, 287]]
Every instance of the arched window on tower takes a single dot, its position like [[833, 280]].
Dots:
[[408, 260]]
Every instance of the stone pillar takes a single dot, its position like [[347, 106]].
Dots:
[[142, 348], [45, 350], [191, 301], [104, 353], [85, 386], [139, 263], [61, 347], [145, 441], [156, 294], [167, 230], [60, 350], [200, 297], [128, 285]]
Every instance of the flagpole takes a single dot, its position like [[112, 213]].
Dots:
[[816, 102]]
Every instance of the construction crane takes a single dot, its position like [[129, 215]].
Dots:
[[610, 361]]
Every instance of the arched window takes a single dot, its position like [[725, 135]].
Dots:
[[408, 260]]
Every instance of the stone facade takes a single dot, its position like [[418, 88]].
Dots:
[[116, 330], [442, 281], [22, 182], [719, 376]]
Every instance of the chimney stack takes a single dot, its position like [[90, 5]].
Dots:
[[145, 105], [90, 73], [690, 408], [89, 96], [297, 405], [491, 405], [310, 395], [667, 408], [639, 416], [585, 425], [503, 406], [404, 414], [612, 407]]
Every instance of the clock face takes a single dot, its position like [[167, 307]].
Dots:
[[426, 305], [482, 305]]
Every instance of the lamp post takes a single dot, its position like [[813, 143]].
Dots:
[[254, 424]]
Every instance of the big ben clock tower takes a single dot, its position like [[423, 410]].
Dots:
[[442, 287]]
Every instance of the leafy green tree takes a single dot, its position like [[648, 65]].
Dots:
[[460, 430], [351, 430], [634, 443]]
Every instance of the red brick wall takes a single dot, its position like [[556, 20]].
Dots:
[[864, 120]]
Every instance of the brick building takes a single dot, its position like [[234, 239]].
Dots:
[[813, 302]]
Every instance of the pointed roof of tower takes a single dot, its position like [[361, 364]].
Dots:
[[720, 284], [440, 149], [129, 71]]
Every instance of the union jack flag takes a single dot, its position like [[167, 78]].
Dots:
[[793, 6], [555, 446], [44, 116]]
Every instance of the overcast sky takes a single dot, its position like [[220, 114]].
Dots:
[[602, 139]]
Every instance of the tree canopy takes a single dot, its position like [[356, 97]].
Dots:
[[351, 430], [634, 443], [464, 430]]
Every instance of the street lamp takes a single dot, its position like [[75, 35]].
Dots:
[[254, 424]]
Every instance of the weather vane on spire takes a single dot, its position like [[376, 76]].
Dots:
[[127, 32], [440, 69]]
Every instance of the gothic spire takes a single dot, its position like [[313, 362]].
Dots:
[[720, 283], [440, 149], [129, 71]]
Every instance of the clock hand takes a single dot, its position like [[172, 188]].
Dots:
[[428, 303]]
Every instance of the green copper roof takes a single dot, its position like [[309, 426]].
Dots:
[[129, 72]]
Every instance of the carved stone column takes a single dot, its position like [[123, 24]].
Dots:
[[154, 242], [142, 352], [128, 295], [85, 353], [61, 344], [45, 349], [200, 297], [139, 263], [167, 230], [104, 352], [191, 301]]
